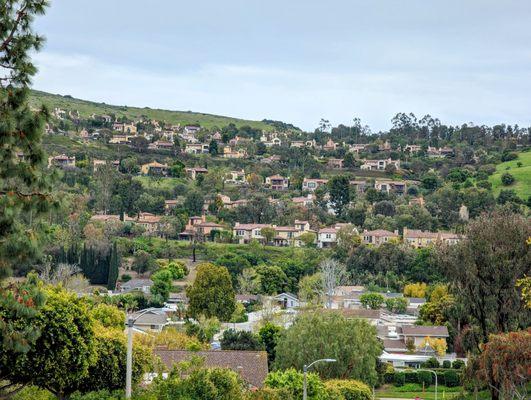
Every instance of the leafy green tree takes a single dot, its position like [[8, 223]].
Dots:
[[65, 350], [374, 301], [19, 307], [162, 282], [143, 261], [268, 234], [339, 190], [240, 340], [483, 270], [269, 335], [352, 342], [272, 279], [108, 316], [396, 305], [108, 371], [193, 202], [311, 289], [235, 264], [25, 190], [292, 381], [211, 294], [213, 148]]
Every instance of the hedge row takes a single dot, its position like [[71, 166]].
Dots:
[[447, 377]]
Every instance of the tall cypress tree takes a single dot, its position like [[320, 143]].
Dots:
[[113, 268]]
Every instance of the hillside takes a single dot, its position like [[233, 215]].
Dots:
[[87, 108], [522, 175]]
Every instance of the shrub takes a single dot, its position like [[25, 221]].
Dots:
[[125, 278], [509, 156], [349, 389], [451, 378], [431, 363], [270, 394], [507, 179], [447, 364], [400, 378], [291, 381], [458, 364], [410, 376], [424, 377]]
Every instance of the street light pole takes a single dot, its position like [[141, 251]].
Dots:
[[130, 323], [305, 369]]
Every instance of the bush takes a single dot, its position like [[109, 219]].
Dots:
[[400, 378], [447, 364], [349, 389], [270, 394], [458, 364], [431, 363], [410, 376], [125, 278], [424, 377], [508, 156], [291, 381], [451, 378], [507, 179]]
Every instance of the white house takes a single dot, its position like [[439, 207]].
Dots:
[[287, 300]]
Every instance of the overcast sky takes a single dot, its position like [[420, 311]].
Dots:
[[295, 60]]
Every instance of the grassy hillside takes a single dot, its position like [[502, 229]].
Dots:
[[522, 175], [87, 108]]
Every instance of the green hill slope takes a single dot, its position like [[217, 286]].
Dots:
[[87, 108], [522, 175]]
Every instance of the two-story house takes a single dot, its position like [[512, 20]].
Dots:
[[277, 182], [311, 184], [378, 236]]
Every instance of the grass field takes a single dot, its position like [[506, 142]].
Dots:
[[522, 175], [392, 392], [87, 108]]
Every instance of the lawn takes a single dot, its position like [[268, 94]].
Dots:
[[522, 175], [392, 392]]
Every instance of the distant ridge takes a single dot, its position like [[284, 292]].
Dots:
[[87, 108]]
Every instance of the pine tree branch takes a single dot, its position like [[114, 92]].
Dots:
[[9, 39]]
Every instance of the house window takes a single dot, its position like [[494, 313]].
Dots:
[[328, 236]]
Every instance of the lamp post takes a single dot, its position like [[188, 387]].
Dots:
[[305, 373], [129, 362]]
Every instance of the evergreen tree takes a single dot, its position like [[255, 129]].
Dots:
[[114, 265], [24, 187]]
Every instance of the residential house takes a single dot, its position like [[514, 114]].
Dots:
[[335, 163], [287, 300], [154, 168], [193, 173], [199, 226], [277, 182], [398, 187], [124, 127], [385, 146], [417, 333], [96, 164], [120, 139], [244, 233], [251, 366], [161, 145], [330, 145], [378, 236], [236, 177], [271, 159], [418, 238], [358, 186], [304, 201], [450, 238], [171, 204], [153, 320], [197, 148], [62, 161], [326, 237], [191, 129], [311, 184], [105, 218], [412, 148], [297, 143], [229, 152], [380, 165], [417, 201], [357, 148], [302, 226], [150, 222], [285, 235], [136, 284]]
